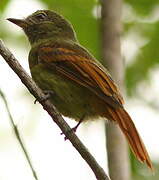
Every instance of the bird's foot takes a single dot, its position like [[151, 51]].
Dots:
[[48, 94], [74, 129]]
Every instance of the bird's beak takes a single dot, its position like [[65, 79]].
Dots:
[[19, 22]]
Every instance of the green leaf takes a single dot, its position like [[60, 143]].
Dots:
[[3, 4]]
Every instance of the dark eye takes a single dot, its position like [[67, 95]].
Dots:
[[41, 16]]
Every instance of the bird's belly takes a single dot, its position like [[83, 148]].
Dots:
[[70, 98]]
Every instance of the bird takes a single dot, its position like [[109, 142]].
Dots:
[[83, 89]]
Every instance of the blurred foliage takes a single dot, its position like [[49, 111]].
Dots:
[[146, 59], [143, 7], [140, 172], [3, 5], [87, 26], [147, 56]]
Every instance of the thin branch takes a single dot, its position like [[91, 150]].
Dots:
[[55, 115], [17, 134]]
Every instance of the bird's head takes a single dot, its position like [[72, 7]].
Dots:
[[44, 24]]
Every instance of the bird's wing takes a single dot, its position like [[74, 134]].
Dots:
[[79, 66]]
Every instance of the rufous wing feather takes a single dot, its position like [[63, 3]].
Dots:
[[122, 118], [84, 70]]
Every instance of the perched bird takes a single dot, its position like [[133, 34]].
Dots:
[[82, 88]]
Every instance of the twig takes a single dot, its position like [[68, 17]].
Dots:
[[55, 115], [17, 134]]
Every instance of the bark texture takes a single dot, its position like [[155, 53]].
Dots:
[[118, 159]]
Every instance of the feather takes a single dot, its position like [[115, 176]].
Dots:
[[122, 118], [81, 68], [84, 70]]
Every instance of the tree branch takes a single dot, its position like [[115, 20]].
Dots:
[[55, 115], [18, 136], [118, 158]]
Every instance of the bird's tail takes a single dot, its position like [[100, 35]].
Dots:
[[128, 128]]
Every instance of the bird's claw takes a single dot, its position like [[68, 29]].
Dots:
[[74, 129], [46, 97]]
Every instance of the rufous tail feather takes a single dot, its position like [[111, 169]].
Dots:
[[128, 128]]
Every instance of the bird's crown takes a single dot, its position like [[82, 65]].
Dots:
[[44, 24]]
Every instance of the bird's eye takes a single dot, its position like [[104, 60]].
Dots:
[[41, 16]]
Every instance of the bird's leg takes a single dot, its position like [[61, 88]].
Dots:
[[48, 94], [74, 129]]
